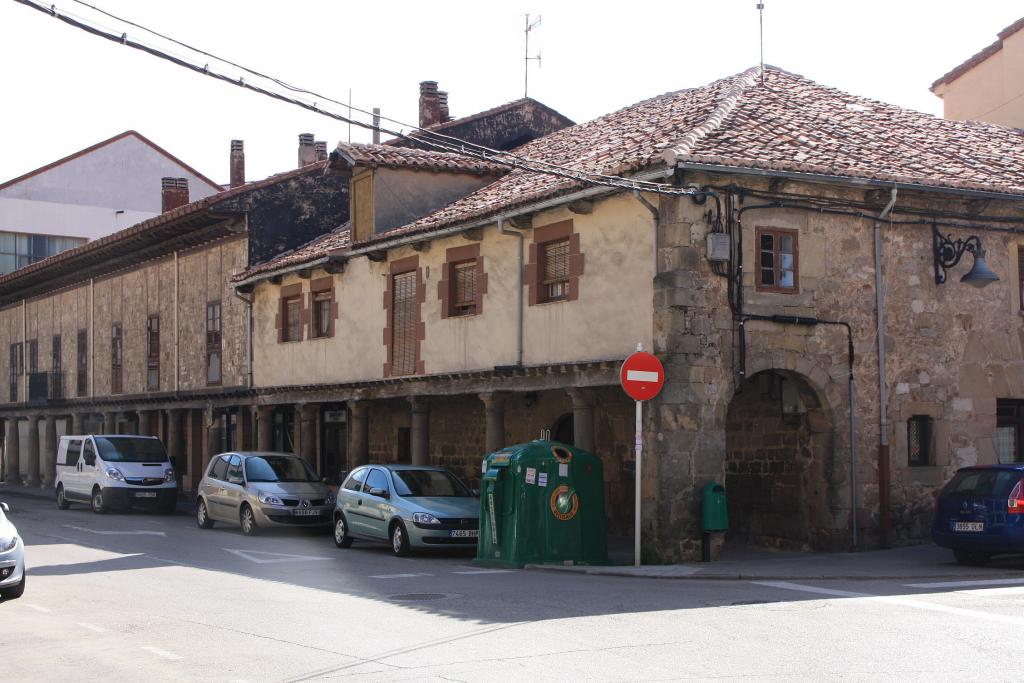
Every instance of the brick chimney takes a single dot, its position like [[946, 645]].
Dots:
[[320, 147], [430, 104], [174, 193], [237, 163], [307, 152], [442, 104]]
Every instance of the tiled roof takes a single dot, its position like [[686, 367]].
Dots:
[[418, 159], [306, 253], [958, 71], [786, 123], [115, 240]]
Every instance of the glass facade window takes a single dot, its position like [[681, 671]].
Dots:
[[17, 250]]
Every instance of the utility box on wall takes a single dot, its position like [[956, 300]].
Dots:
[[542, 503]]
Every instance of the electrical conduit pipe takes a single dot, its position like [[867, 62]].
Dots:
[[884, 523]]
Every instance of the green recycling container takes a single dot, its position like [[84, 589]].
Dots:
[[541, 502], [714, 514]]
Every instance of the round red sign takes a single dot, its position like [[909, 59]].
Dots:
[[642, 376]]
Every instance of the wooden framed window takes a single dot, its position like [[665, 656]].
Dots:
[[153, 353], [55, 353], [213, 343], [17, 368], [556, 264], [920, 444], [404, 295], [1009, 430], [33, 355], [463, 282], [777, 260], [116, 359], [291, 314], [56, 372], [82, 366], [323, 309]]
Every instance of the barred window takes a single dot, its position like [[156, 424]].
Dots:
[[555, 270], [153, 352], [919, 441], [116, 359], [403, 323], [777, 259], [213, 343], [82, 380], [463, 283], [17, 368]]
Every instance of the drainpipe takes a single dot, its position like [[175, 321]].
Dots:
[[657, 218], [883, 417], [519, 289]]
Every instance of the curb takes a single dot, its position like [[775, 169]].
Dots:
[[739, 576], [186, 504]]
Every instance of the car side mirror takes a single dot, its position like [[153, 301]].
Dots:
[[379, 493], [5, 507]]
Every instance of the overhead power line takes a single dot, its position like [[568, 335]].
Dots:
[[423, 136]]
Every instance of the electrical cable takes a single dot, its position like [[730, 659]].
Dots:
[[425, 136]]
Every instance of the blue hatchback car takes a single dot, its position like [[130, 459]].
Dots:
[[980, 513]]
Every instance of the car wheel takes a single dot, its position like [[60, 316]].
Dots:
[[203, 520], [399, 539], [98, 506], [17, 591], [971, 558], [247, 520], [341, 537], [62, 502]]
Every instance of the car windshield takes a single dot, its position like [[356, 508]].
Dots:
[[429, 484], [277, 468], [130, 449], [983, 483]]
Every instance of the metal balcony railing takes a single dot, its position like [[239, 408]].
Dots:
[[45, 386]]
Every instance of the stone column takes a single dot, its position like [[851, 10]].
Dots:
[[582, 419], [48, 457], [33, 451], [78, 423], [147, 423], [176, 443], [214, 435], [359, 433], [420, 432], [265, 428], [243, 432], [12, 452], [306, 413], [494, 413], [110, 422]]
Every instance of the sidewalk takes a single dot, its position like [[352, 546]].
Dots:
[[754, 564], [186, 503]]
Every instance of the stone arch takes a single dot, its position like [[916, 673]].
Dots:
[[782, 475]]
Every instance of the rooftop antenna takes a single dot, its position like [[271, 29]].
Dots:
[[526, 54], [760, 12]]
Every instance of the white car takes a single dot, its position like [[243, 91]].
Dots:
[[12, 558], [111, 471]]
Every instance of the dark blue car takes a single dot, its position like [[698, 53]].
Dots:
[[980, 513]]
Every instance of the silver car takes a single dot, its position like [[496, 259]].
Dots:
[[260, 490], [12, 558]]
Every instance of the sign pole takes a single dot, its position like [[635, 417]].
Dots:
[[639, 471]]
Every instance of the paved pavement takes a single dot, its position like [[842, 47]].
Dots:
[[133, 596]]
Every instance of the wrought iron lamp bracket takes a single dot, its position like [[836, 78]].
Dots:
[[948, 252]]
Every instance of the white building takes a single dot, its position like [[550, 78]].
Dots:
[[96, 191]]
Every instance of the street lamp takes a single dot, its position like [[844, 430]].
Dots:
[[948, 253]]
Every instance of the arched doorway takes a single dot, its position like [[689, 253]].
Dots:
[[780, 469], [563, 430]]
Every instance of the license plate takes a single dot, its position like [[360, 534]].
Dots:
[[146, 494], [305, 513], [463, 533], [968, 526]]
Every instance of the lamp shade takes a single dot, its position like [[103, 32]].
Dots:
[[980, 274]]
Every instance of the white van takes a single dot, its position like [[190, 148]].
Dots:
[[114, 471]]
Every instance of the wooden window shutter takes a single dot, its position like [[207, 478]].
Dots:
[[1020, 274], [404, 328]]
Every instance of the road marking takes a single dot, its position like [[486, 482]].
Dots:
[[92, 627], [262, 557], [37, 608], [966, 584], [160, 653], [893, 600], [116, 533], [396, 576], [485, 571]]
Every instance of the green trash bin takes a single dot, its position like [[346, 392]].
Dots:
[[541, 502], [714, 512]]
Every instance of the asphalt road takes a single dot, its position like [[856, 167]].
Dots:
[[129, 597]]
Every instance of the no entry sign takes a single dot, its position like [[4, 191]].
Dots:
[[642, 376]]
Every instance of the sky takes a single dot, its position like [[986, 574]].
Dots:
[[62, 89]]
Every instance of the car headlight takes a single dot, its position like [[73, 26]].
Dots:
[[8, 545], [114, 473], [425, 518], [330, 499], [269, 498], [168, 475]]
